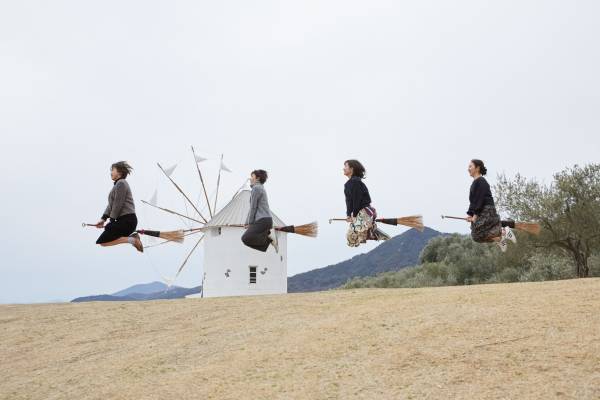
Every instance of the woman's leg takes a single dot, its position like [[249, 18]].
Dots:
[[257, 236], [359, 231], [486, 229], [121, 240], [479, 238], [133, 240]]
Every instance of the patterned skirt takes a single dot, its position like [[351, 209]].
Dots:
[[363, 228], [486, 226]]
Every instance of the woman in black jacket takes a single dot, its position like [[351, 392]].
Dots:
[[486, 225], [359, 211]]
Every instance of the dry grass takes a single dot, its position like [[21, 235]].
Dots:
[[514, 341]]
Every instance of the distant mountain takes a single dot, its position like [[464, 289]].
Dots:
[[392, 255], [144, 288], [143, 293]]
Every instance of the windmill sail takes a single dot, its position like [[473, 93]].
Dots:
[[154, 198], [169, 171], [224, 168]]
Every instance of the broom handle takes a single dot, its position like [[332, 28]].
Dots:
[[450, 217], [346, 220], [243, 226]]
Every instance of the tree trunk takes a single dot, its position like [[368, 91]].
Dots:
[[579, 256], [581, 263]]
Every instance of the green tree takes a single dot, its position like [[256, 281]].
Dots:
[[568, 210], [468, 262]]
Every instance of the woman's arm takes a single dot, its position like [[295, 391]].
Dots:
[[121, 189], [106, 214], [478, 198], [254, 197], [348, 202], [356, 197], [107, 210]]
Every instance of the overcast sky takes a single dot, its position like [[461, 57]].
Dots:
[[414, 89]]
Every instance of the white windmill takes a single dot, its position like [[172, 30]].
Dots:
[[230, 268]]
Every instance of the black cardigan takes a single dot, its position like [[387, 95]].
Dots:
[[357, 196], [479, 196]]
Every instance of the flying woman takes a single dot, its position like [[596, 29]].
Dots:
[[120, 211], [486, 226], [259, 223], [359, 211]]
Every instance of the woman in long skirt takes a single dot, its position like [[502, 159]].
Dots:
[[259, 223], [120, 210], [486, 226], [359, 211]]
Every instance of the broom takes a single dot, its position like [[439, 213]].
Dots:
[[171, 236], [530, 227], [413, 221], [310, 230]]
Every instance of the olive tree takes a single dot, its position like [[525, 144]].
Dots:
[[568, 210]]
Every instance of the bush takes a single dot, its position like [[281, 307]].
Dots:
[[457, 260], [548, 267]]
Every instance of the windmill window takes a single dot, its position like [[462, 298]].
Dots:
[[252, 274]]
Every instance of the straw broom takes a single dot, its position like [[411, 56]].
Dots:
[[530, 227], [413, 221], [171, 236], [309, 230]]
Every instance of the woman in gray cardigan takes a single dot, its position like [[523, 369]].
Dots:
[[120, 211], [259, 221]]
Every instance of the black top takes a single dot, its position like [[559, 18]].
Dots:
[[357, 196], [479, 196]]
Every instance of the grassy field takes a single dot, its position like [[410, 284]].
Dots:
[[509, 341]]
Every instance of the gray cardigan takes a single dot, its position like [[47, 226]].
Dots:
[[120, 201], [259, 204]]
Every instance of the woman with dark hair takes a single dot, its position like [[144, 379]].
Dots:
[[359, 211], [486, 225], [120, 211], [259, 222]]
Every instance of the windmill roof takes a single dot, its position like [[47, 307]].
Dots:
[[236, 212]]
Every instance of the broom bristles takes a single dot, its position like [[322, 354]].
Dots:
[[529, 227], [414, 221], [173, 236], [310, 230]]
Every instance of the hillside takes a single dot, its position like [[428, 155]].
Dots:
[[143, 288], [143, 292], [509, 341], [399, 252]]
